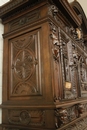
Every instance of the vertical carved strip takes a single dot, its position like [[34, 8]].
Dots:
[[56, 61], [62, 65]]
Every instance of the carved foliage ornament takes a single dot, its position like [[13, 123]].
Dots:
[[11, 5], [66, 115], [55, 41]]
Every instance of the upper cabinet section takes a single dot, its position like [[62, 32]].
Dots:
[[79, 11], [13, 7]]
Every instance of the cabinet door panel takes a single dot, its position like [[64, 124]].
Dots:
[[24, 66]]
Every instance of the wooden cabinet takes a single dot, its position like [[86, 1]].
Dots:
[[44, 65]]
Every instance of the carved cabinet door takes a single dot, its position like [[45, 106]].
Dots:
[[24, 68]]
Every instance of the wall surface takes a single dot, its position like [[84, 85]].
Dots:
[[1, 57], [3, 2]]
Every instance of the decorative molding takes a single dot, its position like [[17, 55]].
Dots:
[[26, 19], [11, 5], [5, 128], [26, 117]]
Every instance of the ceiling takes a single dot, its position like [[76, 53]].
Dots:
[[3, 2]]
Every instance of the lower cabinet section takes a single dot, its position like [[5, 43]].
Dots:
[[78, 125], [73, 117], [25, 119]]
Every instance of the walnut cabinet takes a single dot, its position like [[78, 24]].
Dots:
[[44, 65]]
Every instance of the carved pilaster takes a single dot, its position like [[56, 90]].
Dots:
[[55, 48]]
